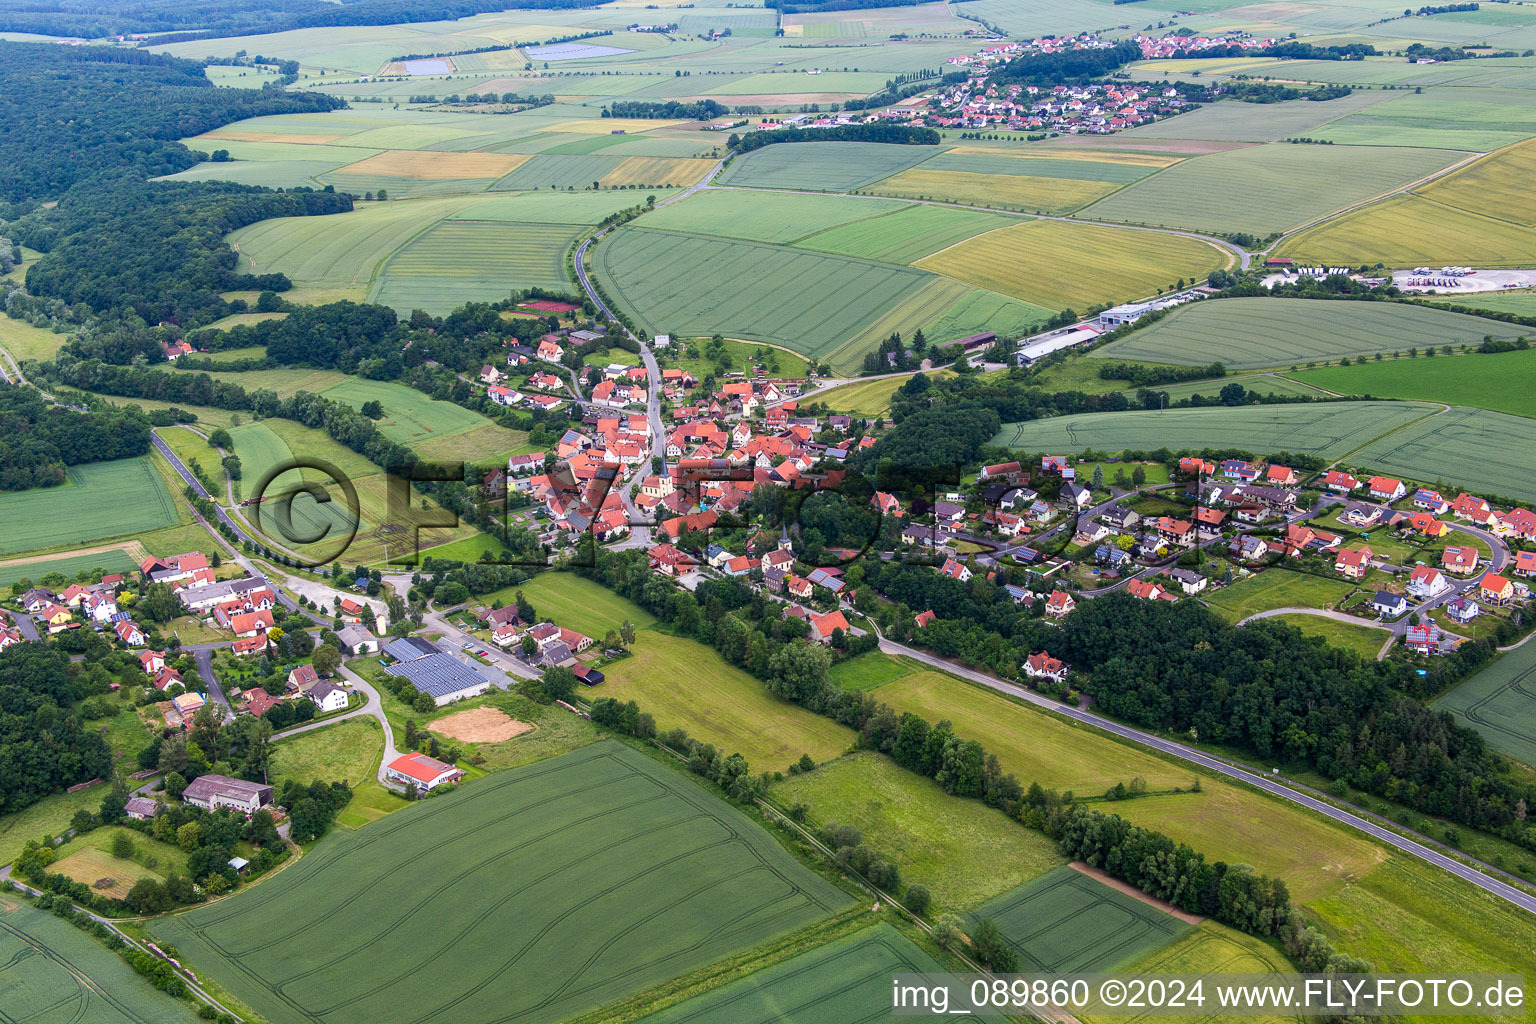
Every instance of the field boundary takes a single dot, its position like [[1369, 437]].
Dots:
[[1104, 878]]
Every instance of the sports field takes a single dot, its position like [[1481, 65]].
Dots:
[[100, 500], [1500, 703], [51, 971], [1250, 333], [1065, 922], [836, 982], [685, 684], [114, 560], [1056, 264], [1277, 588], [1266, 188], [1502, 381], [1486, 452], [537, 893], [907, 234], [1326, 429], [459, 261], [822, 166], [962, 850]]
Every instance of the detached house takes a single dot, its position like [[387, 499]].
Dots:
[[955, 570], [1059, 604], [1384, 488], [1388, 605], [1496, 590], [1426, 581], [1353, 563], [1339, 482], [1460, 560], [1043, 666]]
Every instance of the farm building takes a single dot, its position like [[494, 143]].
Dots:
[[434, 671], [423, 772]]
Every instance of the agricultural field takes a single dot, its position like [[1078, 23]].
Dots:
[[347, 751], [1066, 922], [1245, 122], [1055, 264], [682, 880], [868, 671], [904, 234], [1485, 452], [1500, 381], [838, 981], [100, 563], [1263, 189], [1048, 196], [821, 166], [409, 415], [1277, 588], [1480, 121], [458, 261], [964, 851], [1496, 186], [52, 971], [685, 684], [769, 216], [1251, 333], [1521, 302], [1363, 640], [100, 500], [1498, 703], [1325, 429]]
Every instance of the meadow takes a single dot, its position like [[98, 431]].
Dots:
[[821, 166], [409, 415], [1498, 703], [1251, 333], [1056, 264], [100, 500], [113, 560], [1521, 302], [905, 234], [23, 341], [457, 261], [87, 858], [1501, 381], [869, 670], [768, 216], [578, 603], [1325, 429], [962, 850], [591, 876], [347, 751], [838, 981], [52, 971], [1266, 188], [1363, 640], [1485, 452], [1277, 588], [1065, 922], [685, 684]]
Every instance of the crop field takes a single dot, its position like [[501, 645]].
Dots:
[[1325, 429], [808, 302], [1065, 922], [769, 216], [1055, 264], [656, 172], [1266, 188], [1114, 166], [1481, 121], [1017, 190], [962, 850], [52, 971], [1405, 231], [1485, 452], [578, 603], [100, 500], [821, 166], [1246, 122], [1250, 333], [1495, 186], [683, 683], [409, 415], [115, 560], [1498, 703], [539, 892], [1521, 302], [903, 234], [429, 166], [458, 261], [1501, 381], [1277, 588]]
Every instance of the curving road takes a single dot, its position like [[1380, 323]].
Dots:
[[1520, 898]]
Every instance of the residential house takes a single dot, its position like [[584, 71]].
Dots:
[[955, 570], [1179, 532], [1460, 559], [1428, 525], [798, 587], [1361, 515], [1144, 589], [1073, 496], [922, 619], [888, 504], [1089, 531], [328, 696], [1248, 548], [1473, 508], [1426, 581], [1525, 563], [1384, 488], [141, 808], [1430, 501], [1423, 639], [1114, 557], [1389, 605], [1353, 563], [1280, 476], [823, 626], [1059, 604], [250, 624], [1339, 482], [1016, 498], [1519, 521], [1043, 666], [1238, 469], [1189, 582], [1495, 590], [1463, 609], [212, 792], [303, 678], [1120, 519], [152, 661], [423, 772], [258, 701], [129, 633]]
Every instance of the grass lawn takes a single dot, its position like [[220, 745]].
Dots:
[[48, 817], [962, 850], [370, 802], [468, 549], [575, 602], [1277, 588], [125, 733], [739, 353], [868, 671], [1156, 472], [345, 752], [174, 540], [685, 684], [23, 341], [1363, 640]]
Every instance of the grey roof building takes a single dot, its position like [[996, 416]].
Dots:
[[443, 676]]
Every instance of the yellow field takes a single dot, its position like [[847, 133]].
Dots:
[[608, 125], [432, 166], [296, 138], [1101, 156], [1009, 191], [1498, 185], [657, 170], [1409, 230], [872, 397], [1058, 264]]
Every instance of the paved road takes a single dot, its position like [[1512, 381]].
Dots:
[[1518, 897]]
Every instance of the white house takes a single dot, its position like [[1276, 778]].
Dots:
[[328, 696]]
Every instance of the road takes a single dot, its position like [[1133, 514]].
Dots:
[[1503, 890]]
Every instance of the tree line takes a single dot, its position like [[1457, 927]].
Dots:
[[891, 134], [671, 110], [37, 440]]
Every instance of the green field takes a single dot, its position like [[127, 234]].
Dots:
[[576, 602], [1325, 429], [1065, 922], [115, 560], [906, 235], [1479, 121], [409, 415], [1056, 264], [23, 341], [869, 398], [836, 982], [1498, 702], [767, 216], [345, 752], [1251, 333], [52, 971], [1501, 381], [100, 500], [1486, 452], [1242, 122], [962, 850], [685, 684], [459, 261], [1363, 640], [821, 166], [869, 670], [807, 302], [539, 892], [1277, 588], [1521, 302]]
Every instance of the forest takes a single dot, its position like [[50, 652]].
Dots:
[[38, 440], [1067, 67], [892, 134], [702, 110], [43, 746]]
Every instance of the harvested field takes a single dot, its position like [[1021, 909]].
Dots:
[[480, 725], [656, 171], [433, 166], [95, 867]]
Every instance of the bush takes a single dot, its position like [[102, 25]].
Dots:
[[918, 899]]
